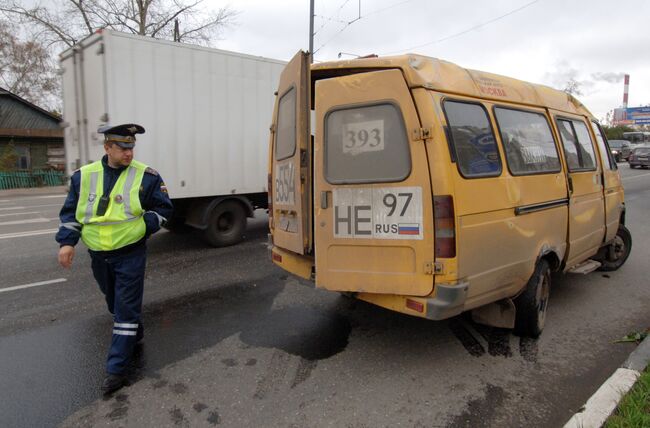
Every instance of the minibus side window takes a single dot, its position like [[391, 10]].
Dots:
[[527, 141], [472, 139], [605, 153], [366, 144], [285, 138], [577, 145]]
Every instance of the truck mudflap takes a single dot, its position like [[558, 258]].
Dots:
[[448, 301]]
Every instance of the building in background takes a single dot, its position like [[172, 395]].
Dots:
[[35, 134]]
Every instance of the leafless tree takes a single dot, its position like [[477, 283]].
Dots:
[[64, 23], [27, 70], [572, 87]]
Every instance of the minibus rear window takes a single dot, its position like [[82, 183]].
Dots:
[[473, 140], [285, 138], [578, 149], [527, 141], [367, 144]]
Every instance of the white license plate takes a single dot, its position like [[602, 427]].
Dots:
[[643, 159]]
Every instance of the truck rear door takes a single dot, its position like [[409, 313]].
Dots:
[[373, 223], [291, 185]]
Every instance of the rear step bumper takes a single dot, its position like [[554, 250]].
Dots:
[[449, 301]]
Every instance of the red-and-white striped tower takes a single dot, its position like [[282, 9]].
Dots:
[[626, 90]]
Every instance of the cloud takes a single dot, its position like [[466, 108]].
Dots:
[[608, 77]]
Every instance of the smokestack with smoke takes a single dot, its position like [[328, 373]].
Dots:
[[626, 89]]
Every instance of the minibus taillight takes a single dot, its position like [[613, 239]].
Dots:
[[445, 227], [269, 197]]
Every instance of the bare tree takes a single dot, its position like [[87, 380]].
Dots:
[[67, 22], [572, 87], [27, 70]]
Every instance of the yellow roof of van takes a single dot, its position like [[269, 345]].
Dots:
[[447, 77]]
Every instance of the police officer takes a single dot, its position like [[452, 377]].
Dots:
[[114, 205]]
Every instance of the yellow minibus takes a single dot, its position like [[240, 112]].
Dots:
[[429, 189]]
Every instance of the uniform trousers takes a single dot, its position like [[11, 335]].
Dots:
[[121, 280]]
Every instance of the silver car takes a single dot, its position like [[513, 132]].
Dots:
[[640, 156]]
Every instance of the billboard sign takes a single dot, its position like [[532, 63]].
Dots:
[[632, 116]]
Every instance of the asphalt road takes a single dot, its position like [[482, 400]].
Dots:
[[232, 340]]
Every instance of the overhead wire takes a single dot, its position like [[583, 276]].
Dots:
[[357, 19], [476, 27]]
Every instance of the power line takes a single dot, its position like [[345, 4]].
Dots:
[[331, 18], [356, 19], [476, 27]]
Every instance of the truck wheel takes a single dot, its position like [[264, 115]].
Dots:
[[616, 253], [226, 225], [531, 305]]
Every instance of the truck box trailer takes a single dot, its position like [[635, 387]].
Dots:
[[206, 114]]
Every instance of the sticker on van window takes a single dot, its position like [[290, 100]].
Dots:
[[285, 183], [379, 213], [362, 137]]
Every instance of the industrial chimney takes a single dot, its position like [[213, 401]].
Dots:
[[626, 90]]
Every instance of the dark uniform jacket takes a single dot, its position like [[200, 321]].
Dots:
[[153, 199]]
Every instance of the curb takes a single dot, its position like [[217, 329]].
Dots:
[[604, 401], [33, 191]]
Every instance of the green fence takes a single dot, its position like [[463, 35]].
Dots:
[[37, 178]]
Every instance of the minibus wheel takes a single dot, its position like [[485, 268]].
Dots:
[[226, 224], [615, 254], [531, 305]]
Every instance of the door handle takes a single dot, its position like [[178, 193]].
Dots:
[[570, 185], [323, 199]]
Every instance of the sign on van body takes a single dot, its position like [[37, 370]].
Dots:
[[378, 213]]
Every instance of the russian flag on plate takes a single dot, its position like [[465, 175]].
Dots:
[[408, 229]]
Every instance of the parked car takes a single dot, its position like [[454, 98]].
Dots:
[[640, 156], [620, 149]]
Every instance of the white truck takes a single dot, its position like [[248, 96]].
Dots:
[[206, 114]]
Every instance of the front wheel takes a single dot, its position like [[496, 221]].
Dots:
[[615, 254], [226, 225], [531, 305]]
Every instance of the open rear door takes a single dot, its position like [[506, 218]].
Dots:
[[291, 186]]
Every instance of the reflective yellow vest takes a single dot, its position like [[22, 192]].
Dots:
[[122, 223]]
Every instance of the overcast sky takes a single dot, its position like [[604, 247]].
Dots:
[[545, 41]]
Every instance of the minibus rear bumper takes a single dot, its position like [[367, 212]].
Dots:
[[449, 301]]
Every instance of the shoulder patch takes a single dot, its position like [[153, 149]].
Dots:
[[151, 171]]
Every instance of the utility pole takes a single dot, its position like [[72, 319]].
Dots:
[[311, 31]]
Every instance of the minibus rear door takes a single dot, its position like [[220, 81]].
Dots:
[[291, 184], [373, 223]]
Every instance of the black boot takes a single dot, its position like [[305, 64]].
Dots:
[[113, 382], [139, 338]]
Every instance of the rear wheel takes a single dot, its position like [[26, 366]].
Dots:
[[615, 254], [226, 225], [531, 305]]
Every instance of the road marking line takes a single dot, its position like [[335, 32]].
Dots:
[[32, 220], [636, 176], [30, 212], [33, 284], [30, 207], [25, 234], [62, 196]]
